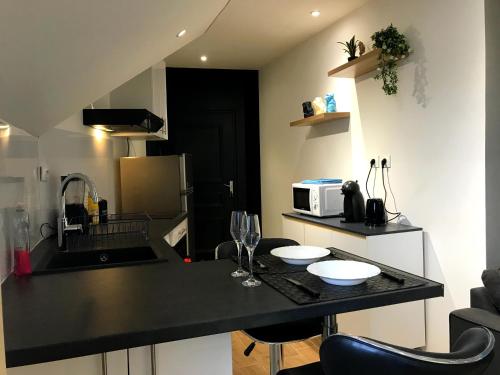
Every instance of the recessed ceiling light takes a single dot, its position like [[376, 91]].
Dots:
[[4, 125], [203, 58], [181, 33], [315, 13]]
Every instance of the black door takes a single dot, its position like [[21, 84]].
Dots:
[[213, 115]]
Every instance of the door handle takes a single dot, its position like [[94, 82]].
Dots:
[[231, 188]]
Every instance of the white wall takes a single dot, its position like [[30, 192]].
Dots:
[[70, 147], [434, 129]]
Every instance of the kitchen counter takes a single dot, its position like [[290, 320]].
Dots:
[[57, 316], [356, 228]]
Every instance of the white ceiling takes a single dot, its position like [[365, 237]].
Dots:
[[250, 33], [57, 56]]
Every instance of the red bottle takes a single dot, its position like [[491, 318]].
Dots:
[[22, 263]]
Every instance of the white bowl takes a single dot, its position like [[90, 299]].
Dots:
[[300, 255], [343, 272]]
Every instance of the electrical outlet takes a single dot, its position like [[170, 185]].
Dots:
[[388, 161], [377, 162], [43, 173]]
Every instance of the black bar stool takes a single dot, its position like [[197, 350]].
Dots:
[[276, 335]]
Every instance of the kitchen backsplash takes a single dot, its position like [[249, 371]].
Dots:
[[67, 148]]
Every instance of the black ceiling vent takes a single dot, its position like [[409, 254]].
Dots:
[[122, 120]]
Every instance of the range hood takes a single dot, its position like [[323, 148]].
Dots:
[[120, 121]]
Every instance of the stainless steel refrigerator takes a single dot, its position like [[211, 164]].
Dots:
[[161, 186]]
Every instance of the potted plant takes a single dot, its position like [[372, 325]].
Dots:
[[350, 47], [393, 47]]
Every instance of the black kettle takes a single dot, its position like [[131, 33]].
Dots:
[[375, 212], [354, 203]]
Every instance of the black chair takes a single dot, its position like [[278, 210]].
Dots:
[[482, 313], [349, 355], [276, 335]]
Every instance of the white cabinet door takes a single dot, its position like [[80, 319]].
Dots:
[[140, 361], [88, 365], [208, 355], [404, 323], [293, 229], [116, 362], [315, 235]]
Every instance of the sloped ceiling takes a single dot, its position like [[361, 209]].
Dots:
[[57, 56], [249, 34]]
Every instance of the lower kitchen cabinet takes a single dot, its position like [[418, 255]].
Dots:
[[402, 324], [201, 355], [88, 365]]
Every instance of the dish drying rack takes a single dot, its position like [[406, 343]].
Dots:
[[102, 232]]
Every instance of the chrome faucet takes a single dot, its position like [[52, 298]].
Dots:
[[62, 221]]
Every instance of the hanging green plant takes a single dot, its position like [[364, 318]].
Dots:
[[394, 47]]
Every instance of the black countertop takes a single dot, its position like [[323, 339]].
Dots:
[[356, 228], [58, 316], [158, 228]]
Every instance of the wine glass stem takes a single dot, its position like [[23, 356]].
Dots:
[[250, 262], [239, 245]]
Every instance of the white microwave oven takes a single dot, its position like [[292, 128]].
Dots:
[[318, 199]]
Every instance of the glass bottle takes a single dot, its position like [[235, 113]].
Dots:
[[22, 263]]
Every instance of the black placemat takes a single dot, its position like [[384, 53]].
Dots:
[[373, 285], [275, 265]]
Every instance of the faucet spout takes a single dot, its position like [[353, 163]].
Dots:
[[82, 177], [62, 222]]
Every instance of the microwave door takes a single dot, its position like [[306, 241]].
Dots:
[[301, 199]]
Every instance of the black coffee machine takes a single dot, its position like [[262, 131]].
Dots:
[[354, 203]]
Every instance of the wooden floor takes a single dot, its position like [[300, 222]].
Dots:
[[257, 363]]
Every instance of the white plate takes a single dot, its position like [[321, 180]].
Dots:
[[300, 255], [343, 272]]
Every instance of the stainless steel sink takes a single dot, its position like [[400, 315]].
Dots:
[[80, 260]]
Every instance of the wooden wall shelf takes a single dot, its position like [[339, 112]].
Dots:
[[357, 67], [318, 119]]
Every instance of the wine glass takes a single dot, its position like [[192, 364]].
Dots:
[[237, 218], [251, 237]]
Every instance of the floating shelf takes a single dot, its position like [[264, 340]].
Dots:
[[357, 67], [318, 119]]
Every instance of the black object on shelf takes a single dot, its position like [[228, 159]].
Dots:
[[375, 212], [122, 120], [354, 203], [307, 109], [103, 211]]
